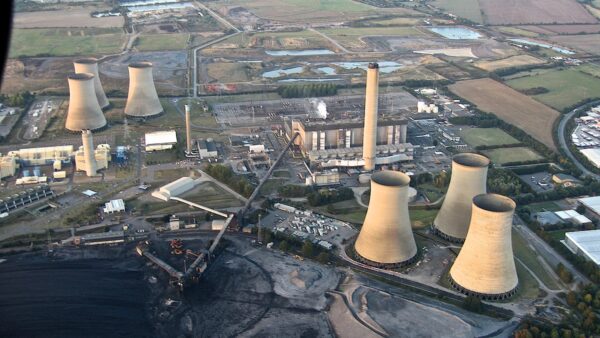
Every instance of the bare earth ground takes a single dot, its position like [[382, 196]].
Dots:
[[516, 12], [588, 43], [513, 61], [67, 17], [513, 107], [565, 29]]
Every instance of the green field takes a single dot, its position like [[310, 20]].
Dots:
[[468, 9], [65, 42], [476, 137], [155, 42], [591, 69], [509, 155], [544, 206], [421, 218], [529, 258], [351, 37], [565, 87]]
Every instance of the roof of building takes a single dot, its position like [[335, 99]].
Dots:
[[565, 177], [588, 242], [89, 193], [572, 215], [593, 154], [161, 137], [547, 217], [313, 125], [114, 206], [211, 146], [593, 203]]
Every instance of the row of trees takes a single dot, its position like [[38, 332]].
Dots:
[[225, 174], [292, 244], [307, 90], [327, 196], [505, 182], [20, 100]]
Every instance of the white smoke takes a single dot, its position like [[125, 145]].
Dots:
[[319, 108]]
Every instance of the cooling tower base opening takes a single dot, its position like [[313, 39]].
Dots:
[[107, 107], [144, 118], [483, 296], [443, 236], [78, 132], [387, 266]]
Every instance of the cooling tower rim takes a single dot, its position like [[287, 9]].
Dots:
[[471, 160], [373, 65], [141, 64], [390, 178], [80, 76], [86, 61], [494, 203]]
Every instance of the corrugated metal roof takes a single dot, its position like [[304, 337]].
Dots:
[[161, 137]]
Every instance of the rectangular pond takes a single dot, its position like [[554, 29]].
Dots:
[[456, 33]]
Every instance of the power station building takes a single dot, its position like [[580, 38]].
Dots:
[[469, 178], [89, 160], [90, 65], [386, 238], [485, 266], [42, 156], [84, 111], [142, 100]]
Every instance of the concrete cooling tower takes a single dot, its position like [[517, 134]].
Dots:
[[90, 65], [485, 266], [142, 100], [84, 111], [469, 175], [370, 130], [386, 238]]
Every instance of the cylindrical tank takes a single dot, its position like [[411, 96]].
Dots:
[[88, 153], [90, 65], [142, 100], [469, 175], [84, 111], [485, 266], [386, 238], [188, 131], [371, 102]]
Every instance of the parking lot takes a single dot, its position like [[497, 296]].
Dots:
[[539, 182], [37, 118]]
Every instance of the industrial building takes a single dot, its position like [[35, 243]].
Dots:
[[386, 238], [174, 188], [90, 65], [422, 107], [8, 166], [24, 198], [352, 157], [585, 244], [207, 148], [89, 160], [160, 140], [42, 156], [469, 178], [323, 178], [114, 206], [592, 205], [142, 99], [84, 111], [485, 266]]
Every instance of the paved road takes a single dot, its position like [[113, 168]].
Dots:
[[563, 142], [546, 251]]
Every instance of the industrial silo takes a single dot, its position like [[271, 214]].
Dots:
[[90, 166], [370, 129], [84, 111], [469, 175], [142, 100], [485, 266], [386, 238], [90, 65]]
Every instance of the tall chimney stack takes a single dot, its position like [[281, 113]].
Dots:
[[370, 131], [188, 131], [88, 153]]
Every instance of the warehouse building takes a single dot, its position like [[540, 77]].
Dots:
[[585, 244], [42, 156], [591, 204], [160, 140], [174, 188], [8, 166], [207, 148], [114, 206]]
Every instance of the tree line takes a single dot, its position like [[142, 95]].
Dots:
[[307, 90], [226, 175]]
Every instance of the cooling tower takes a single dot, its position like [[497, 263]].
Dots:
[[142, 100], [90, 65], [88, 153], [370, 131], [469, 174], [188, 132], [485, 266], [386, 238], [84, 111]]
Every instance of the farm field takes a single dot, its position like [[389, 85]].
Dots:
[[587, 42], [565, 87], [511, 106], [565, 29], [156, 42], [529, 257], [594, 10], [65, 41], [513, 61], [468, 9], [509, 155], [280, 40], [591, 69], [514, 12], [352, 37], [511, 30], [66, 17], [476, 137]]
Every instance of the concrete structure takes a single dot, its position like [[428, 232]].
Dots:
[[90, 65], [585, 244], [160, 140], [174, 188], [42, 156], [485, 266], [24, 198], [386, 238], [324, 178], [469, 175], [84, 110], [207, 148], [113, 206], [142, 100], [90, 166], [188, 130], [422, 107], [574, 217], [351, 157], [8, 166], [371, 106]]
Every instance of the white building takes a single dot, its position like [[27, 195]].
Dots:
[[114, 206], [160, 140], [174, 188], [585, 244], [573, 217], [592, 204]]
